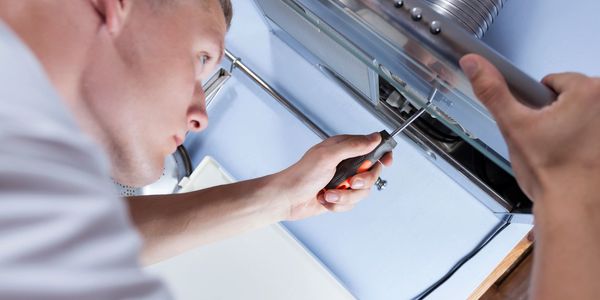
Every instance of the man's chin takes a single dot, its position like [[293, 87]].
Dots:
[[138, 177]]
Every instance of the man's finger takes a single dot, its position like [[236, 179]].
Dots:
[[344, 197], [337, 139], [338, 208], [491, 89], [367, 179], [563, 81], [387, 159], [351, 146]]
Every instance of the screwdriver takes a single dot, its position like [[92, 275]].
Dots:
[[352, 166]]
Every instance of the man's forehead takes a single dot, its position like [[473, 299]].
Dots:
[[208, 12], [210, 17], [212, 29], [204, 19]]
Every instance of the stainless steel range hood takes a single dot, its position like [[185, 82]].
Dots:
[[392, 54]]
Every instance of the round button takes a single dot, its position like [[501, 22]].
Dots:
[[435, 27], [399, 3], [416, 13]]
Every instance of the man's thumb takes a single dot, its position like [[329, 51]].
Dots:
[[490, 87]]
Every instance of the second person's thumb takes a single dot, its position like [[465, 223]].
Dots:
[[489, 86]]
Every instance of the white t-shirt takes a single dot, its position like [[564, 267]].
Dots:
[[64, 233]]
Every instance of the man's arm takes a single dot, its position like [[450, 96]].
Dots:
[[555, 153], [173, 224]]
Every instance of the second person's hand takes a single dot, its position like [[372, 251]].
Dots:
[[552, 147]]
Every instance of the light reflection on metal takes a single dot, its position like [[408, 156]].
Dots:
[[214, 85]]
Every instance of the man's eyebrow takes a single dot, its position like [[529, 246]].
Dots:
[[218, 47], [221, 52], [221, 47]]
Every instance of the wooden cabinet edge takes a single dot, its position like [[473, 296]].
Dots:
[[512, 261]]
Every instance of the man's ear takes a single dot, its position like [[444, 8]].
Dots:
[[113, 13]]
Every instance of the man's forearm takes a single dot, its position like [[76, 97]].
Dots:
[[172, 224], [567, 264]]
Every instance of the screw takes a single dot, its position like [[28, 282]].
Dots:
[[435, 27], [381, 184], [416, 13]]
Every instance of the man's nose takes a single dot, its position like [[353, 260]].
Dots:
[[197, 117]]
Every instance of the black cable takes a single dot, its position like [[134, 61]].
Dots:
[[431, 131], [187, 161], [486, 240]]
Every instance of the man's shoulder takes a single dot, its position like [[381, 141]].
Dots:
[[57, 203], [25, 91], [40, 141]]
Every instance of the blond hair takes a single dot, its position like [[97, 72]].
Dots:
[[225, 6], [227, 11]]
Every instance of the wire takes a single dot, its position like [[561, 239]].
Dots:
[[486, 240], [436, 133], [187, 161]]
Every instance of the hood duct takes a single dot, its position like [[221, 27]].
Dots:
[[475, 16]]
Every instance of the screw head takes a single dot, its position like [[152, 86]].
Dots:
[[398, 3], [416, 13], [380, 184], [435, 27]]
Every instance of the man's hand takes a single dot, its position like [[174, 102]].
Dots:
[[555, 153], [302, 184], [553, 147]]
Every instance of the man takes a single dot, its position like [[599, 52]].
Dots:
[[127, 74]]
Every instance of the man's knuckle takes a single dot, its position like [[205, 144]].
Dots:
[[313, 151], [370, 177], [321, 158], [339, 139], [356, 142], [508, 133], [549, 77], [487, 91], [595, 88]]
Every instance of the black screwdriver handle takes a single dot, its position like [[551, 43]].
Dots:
[[352, 166]]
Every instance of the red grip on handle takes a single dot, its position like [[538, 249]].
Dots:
[[352, 166], [346, 185]]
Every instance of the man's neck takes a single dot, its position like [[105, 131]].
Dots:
[[60, 34]]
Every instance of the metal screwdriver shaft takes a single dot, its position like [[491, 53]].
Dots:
[[410, 120], [352, 166]]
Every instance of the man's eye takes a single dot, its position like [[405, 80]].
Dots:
[[204, 59]]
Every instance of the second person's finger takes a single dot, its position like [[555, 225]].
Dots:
[[492, 90], [563, 81]]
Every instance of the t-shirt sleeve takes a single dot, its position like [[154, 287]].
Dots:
[[64, 233]]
